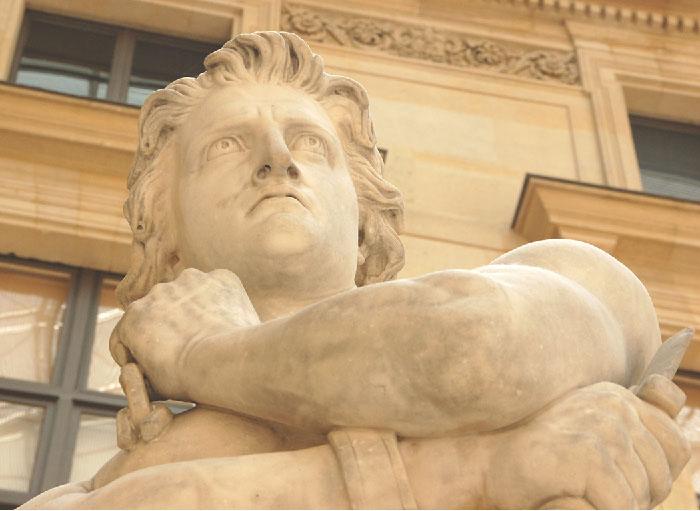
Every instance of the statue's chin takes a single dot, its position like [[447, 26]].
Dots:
[[286, 235]]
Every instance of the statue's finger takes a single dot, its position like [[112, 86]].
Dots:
[[127, 435], [120, 353], [669, 436], [661, 392], [607, 488], [658, 472], [131, 380], [154, 424]]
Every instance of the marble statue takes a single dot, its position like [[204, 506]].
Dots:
[[261, 288]]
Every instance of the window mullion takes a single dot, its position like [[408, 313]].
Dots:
[[83, 315], [43, 449], [60, 442], [80, 307], [24, 389], [62, 429], [121, 66]]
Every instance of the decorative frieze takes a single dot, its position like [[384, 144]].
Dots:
[[425, 43]]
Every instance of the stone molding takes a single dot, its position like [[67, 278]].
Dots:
[[63, 165], [414, 41], [601, 11]]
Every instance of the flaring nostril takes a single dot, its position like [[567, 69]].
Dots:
[[263, 171], [293, 172]]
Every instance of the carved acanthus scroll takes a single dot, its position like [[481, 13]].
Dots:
[[425, 43]]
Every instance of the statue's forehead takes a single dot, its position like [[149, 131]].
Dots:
[[255, 99]]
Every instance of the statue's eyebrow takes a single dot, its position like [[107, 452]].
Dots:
[[300, 117], [233, 122], [233, 113]]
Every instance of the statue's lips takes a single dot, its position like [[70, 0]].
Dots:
[[280, 194]]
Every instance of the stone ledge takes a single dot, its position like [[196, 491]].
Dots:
[[53, 128], [63, 168]]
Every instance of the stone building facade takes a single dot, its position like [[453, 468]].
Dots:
[[502, 121]]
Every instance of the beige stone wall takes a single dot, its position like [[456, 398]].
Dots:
[[459, 145]]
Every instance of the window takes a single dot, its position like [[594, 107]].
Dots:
[[59, 390], [669, 157], [99, 61]]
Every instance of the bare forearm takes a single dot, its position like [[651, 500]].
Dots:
[[448, 473], [422, 358]]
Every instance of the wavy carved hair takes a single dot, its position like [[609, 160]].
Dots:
[[263, 57]]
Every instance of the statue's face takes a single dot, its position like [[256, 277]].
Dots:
[[263, 182]]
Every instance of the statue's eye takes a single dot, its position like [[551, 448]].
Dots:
[[310, 143], [223, 146]]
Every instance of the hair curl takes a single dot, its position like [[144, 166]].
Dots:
[[263, 57]]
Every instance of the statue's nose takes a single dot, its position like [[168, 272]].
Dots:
[[275, 158], [266, 171]]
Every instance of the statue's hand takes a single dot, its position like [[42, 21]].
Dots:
[[600, 446], [158, 329]]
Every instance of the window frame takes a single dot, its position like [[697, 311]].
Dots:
[[658, 163], [66, 395], [122, 54]]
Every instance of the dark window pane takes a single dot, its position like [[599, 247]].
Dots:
[[669, 157], [157, 62], [66, 56]]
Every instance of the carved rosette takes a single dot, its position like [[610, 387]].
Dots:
[[425, 43]]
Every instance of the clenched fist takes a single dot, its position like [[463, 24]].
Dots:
[[157, 330], [598, 447]]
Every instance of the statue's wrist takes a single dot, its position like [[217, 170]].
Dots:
[[447, 473], [372, 467], [185, 368]]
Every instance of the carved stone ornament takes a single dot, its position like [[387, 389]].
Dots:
[[425, 43]]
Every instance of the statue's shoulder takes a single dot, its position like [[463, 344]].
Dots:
[[556, 254], [606, 278]]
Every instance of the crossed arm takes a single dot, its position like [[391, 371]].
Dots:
[[576, 453], [451, 352], [466, 353]]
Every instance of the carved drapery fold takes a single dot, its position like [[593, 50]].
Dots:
[[425, 43]]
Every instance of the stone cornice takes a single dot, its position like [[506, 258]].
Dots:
[[633, 17], [415, 41], [550, 205]]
